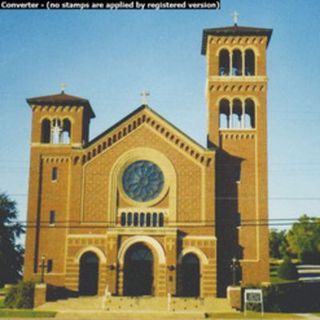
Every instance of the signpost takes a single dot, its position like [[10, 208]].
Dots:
[[253, 296]]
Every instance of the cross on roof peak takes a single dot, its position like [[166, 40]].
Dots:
[[145, 94]]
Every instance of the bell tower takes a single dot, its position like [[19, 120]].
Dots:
[[60, 130], [60, 119], [236, 91]]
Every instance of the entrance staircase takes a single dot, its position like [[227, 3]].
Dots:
[[136, 308]]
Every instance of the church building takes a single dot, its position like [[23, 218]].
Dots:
[[143, 209]]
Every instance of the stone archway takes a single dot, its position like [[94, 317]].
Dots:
[[88, 274], [138, 271], [158, 271]]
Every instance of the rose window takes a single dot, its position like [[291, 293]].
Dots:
[[143, 181]]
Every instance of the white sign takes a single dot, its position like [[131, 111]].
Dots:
[[253, 296]]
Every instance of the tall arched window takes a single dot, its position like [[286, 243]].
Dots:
[[224, 114], [249, 62], [249, 121], [224, 63], [236, 62], [66, 131], [45, 131], [236, 114]]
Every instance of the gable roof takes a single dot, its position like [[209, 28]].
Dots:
[[234, 30], [145, 115], [61, 99]]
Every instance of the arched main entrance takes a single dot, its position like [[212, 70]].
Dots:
[[190, 276], [138, 271], [89, 274]]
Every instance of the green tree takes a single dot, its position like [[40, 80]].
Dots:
[[288, 270], [11, 253], [304, 239], [278, 245]]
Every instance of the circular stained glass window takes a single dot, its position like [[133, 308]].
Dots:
[[143, 181]]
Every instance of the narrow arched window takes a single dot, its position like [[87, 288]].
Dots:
[[129, 219], [45, 131], [136, 219], [154, 220], [123, 219], [142, 219], [249, 62], [224, 63], [66, 131], [161, 219], [249, 121], [236, 62], [148, 222], [224, 114], [237, 114]]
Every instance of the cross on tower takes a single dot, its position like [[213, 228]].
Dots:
[[235, 17], [145, 94], [62, 86]]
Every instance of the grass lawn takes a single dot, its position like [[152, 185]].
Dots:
[[14, 313], [254, 315]]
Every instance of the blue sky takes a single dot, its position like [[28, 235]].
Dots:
[[109, 57]]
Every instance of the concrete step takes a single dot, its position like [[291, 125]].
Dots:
[[131, 315], [141, 304]]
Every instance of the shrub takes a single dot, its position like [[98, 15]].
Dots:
[[20, 296], [292, 297], [287, 270]]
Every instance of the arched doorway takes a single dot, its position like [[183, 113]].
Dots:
[[190, 276], [138, 271], [89, 274]]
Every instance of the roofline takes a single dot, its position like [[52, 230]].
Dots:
[[234, 31], [81, 102], [136, 111]]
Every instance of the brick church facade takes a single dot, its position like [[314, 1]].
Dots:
[[142, 209]]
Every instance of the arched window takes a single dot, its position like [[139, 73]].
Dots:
[[249, 62], [236, 114], [45, 131], [224, 63], [236, 62], [154, 220], [66, 131], [142, 219], [224, 114], [161, 219], [249, 121], [148, 220], [123, 219], [136, 219], [129, 219]]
